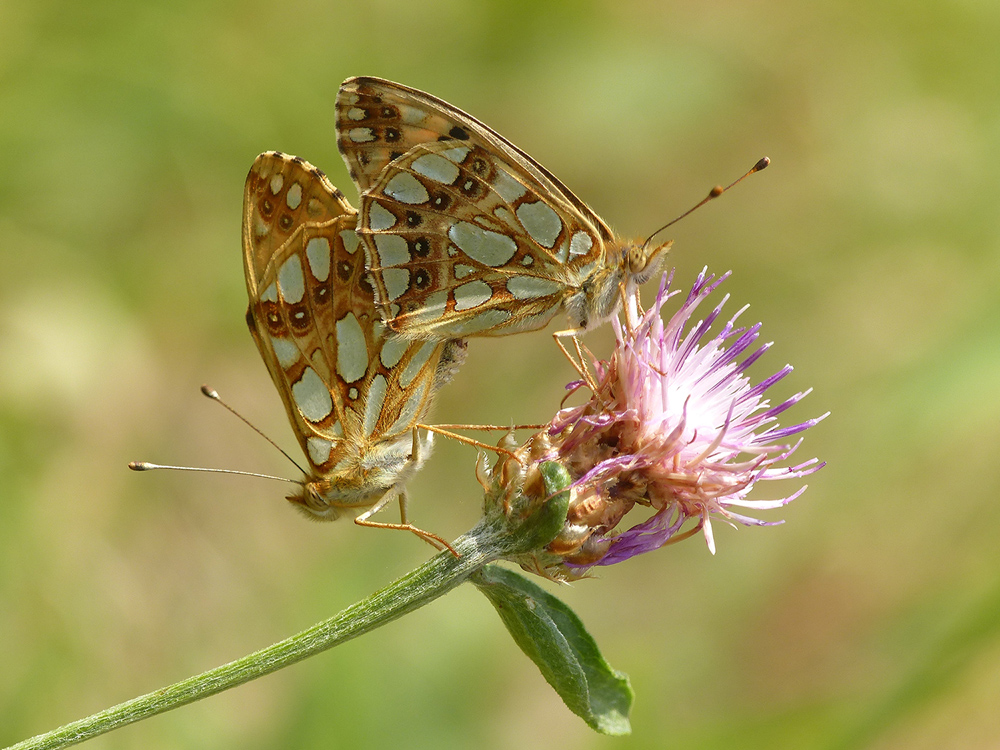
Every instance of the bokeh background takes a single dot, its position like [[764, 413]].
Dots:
[[870, 250]]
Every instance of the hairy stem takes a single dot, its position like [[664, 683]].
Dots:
[[434, 578]]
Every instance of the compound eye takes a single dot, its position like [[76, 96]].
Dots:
[[645, 261], [637, 258]]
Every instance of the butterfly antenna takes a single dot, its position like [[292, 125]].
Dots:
[[147, 466], [214, 395], [713, 193]]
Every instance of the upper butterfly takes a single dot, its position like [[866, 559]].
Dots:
[[466, 234], [353, 396]]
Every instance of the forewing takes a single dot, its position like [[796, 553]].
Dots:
[[346, 388], [294, 229], [378, 121], [462, 241]]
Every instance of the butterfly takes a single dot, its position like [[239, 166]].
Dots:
[[466, 234], [353, 395]]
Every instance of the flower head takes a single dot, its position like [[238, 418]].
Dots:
[[673, 424]]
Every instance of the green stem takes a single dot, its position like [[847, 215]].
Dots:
[[496, 537], [434, 578]]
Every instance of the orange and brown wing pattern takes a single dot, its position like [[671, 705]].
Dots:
[[378, 121], [295, 226], [462, 242], [465, 233], [352, 395]]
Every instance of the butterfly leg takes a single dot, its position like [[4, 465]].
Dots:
[[463, 439], [578, 361], [432, 539], [568, 332]]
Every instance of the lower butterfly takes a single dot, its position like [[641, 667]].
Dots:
[[354, 396], [467, 235]]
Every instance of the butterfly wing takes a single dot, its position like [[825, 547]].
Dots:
[[294, 228], [465, 233], [378, 121], [463, 242], [352, 395]]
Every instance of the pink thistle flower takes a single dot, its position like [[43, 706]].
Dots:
[[673, 424]]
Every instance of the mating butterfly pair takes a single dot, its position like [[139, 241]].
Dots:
[[359, 315]]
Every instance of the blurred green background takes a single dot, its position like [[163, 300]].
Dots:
[[870, 250]]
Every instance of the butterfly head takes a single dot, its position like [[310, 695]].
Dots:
[[626, 267], [315, 501], [362, 479], [644, 262], [327, 499]]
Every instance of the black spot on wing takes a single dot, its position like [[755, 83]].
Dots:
[[419, 247], [299, 316], [422, 279], [440, 200]]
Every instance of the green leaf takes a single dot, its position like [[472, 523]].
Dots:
[[555, 639]]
